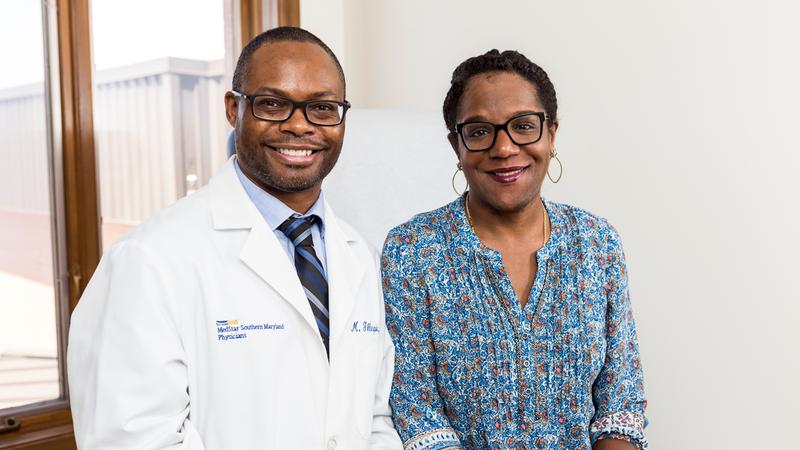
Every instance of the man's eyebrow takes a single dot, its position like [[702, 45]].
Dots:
[[280, 93], [269, 90], [322, 94]]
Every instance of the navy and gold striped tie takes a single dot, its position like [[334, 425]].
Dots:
[[309, 270]]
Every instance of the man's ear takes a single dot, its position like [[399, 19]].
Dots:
[[231, 108]]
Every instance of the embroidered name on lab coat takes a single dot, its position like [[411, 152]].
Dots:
[[232, 329], [364, 326]]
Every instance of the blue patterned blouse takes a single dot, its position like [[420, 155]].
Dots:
[[475, 370]]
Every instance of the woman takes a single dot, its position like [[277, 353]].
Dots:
[[510, 313]]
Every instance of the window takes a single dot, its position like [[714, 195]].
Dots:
[[159, 120], [53, 153], [29, 365]]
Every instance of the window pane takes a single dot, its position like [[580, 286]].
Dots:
[[28, 345], [159, 120]]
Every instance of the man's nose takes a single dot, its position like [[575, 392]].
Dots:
[[297, 124]]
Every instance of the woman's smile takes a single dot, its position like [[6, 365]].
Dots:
[[507, 175]]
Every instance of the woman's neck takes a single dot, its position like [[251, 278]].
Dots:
[[495, 227]]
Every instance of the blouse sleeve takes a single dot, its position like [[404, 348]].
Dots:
[[417, 407], [618, 391]]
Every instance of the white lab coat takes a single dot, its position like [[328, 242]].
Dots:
[[195, 333]]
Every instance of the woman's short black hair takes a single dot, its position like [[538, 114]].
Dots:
[[494, 61]]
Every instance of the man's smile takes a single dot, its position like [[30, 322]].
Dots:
[[295, 155]]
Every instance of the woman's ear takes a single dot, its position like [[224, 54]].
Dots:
[[553, 129], [453, 138]]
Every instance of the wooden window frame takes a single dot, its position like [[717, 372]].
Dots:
[[48, 425], [289, 13], [253, 20], [74, 191]]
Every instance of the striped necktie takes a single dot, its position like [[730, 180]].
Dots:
[[309, 270]]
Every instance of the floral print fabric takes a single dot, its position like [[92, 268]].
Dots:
[[475, 370]]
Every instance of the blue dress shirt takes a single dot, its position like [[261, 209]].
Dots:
[[275, 212]]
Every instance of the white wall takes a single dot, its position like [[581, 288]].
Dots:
[[329, 23], [679, 122]]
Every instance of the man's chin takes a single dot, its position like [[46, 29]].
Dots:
[[296, 188], [279, 176], [289, 184]]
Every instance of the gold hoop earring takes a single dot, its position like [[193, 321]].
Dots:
[[453, 181], [554, 155]]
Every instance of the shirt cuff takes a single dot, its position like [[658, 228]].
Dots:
[[438, 439], [627, 426]]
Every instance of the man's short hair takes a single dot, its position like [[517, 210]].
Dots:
[[279, 34]]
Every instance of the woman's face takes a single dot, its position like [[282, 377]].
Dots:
[[507, 176]]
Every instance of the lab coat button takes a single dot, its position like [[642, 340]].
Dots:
[[332, 443]]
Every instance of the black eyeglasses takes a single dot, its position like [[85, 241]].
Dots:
[[326, 113], [522, 129]]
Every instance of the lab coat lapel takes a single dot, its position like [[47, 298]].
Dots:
[[345, 273], [263, 253], [232, 209]]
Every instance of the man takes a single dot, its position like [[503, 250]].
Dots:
[[246, 315]]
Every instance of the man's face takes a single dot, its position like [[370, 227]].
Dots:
[[293, 155]]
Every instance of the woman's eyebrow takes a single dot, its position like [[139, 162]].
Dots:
[[480, 118]]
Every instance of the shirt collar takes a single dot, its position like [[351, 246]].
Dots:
[[274, 211], [466, 236]]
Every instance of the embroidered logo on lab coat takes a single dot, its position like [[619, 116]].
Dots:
[[232, 329]]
